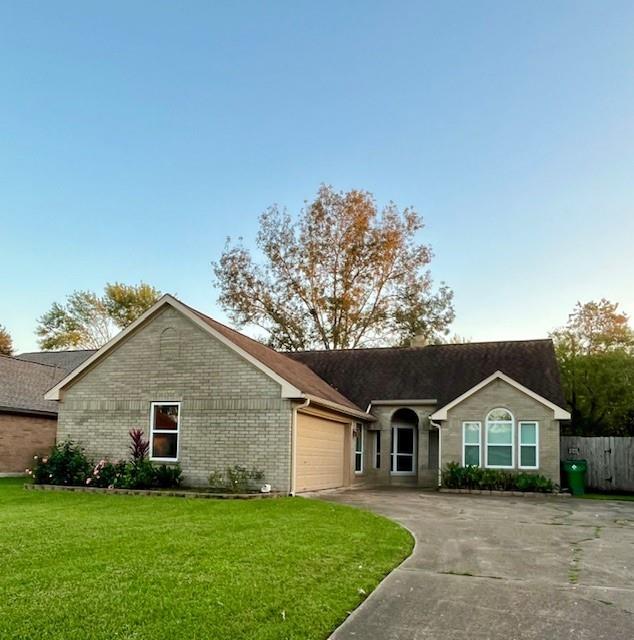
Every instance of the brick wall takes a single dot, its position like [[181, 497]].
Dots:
[[231, 412], [22, 437], [523, 407]]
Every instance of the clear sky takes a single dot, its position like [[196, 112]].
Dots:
[[135, 136]]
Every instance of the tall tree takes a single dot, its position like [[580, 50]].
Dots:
[[595, 350], [6, 342], [88, 321], [341, 275]]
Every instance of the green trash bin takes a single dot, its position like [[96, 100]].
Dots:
[[576, 471]]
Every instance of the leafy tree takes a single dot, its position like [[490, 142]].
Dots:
[[595, 350], [342, 275], [6, 342], [88, 321]]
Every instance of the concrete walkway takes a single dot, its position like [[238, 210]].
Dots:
[[501, 568]]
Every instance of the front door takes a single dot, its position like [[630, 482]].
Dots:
[[403, 451]]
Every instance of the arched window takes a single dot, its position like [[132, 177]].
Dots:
[[500, 440]]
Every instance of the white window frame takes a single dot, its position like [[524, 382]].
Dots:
[[466, 444], [377, 450], [359, 439], [153, 406], [486, 439], [394, 449], [520, 445]]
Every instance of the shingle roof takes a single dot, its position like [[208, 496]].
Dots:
[[293, 371], [442, 372], [67, 360], [23, 384]]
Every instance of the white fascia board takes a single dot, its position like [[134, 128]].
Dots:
[[288, 390], [560, 414], [329, 404]]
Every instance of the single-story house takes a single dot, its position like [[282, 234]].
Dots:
[[27, 420], [209, 397]]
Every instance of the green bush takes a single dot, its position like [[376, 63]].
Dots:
[[472, 477], [108, 474], [67, 464], [138, 474], [167, 477]]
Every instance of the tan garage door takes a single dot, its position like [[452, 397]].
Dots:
[[320, 453]]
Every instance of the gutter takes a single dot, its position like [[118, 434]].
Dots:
[[294, 442], [357, 413], [28, 412]]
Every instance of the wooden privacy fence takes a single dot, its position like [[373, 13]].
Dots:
[[610, 460]]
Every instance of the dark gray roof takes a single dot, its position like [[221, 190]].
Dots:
[[67, 360], [442, 372], [23, 385]]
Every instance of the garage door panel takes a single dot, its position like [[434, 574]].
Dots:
[[319, 453]]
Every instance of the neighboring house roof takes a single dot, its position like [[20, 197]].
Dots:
[[23, 385], [441, 372], [297, 380], [66, 360]]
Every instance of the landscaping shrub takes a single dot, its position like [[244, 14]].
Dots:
[[472, 477], [167, 477], [139, 447], [67, 464], [236, 479], [108, 474]]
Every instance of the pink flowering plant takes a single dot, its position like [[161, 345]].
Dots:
[[67, 464], [109, 475]]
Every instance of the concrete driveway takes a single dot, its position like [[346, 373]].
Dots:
[[501, 568]]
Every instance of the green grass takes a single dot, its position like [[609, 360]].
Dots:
[[79, 566], [608, 496]]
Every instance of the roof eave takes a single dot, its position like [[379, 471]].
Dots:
[[559, 412], [356, 413], [28, 412]]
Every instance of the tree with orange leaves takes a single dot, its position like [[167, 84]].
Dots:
[[342, 275]]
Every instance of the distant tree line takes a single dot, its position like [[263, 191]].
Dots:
[[595, 350]]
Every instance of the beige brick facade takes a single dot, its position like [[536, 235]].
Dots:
[[501, 394], [231, 412], [22, 437], [426, 474]]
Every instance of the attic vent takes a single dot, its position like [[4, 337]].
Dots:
[[169, 345]]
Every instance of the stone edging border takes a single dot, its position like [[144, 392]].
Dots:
[[514, 494], [167, 493]]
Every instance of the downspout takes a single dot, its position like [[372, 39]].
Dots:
[[437, 426], [294, 442]]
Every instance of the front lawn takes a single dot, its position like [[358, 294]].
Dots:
[[78, 566]]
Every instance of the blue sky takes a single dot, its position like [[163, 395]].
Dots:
[[136, 136]]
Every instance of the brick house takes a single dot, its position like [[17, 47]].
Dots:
[[27, 420], [209, 397]]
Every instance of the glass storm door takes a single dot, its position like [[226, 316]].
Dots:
[[403, 451]]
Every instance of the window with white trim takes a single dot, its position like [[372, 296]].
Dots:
[[358, 449], [471, 449], [377, 449], [500, 439], [164, 428], [529, 444]]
